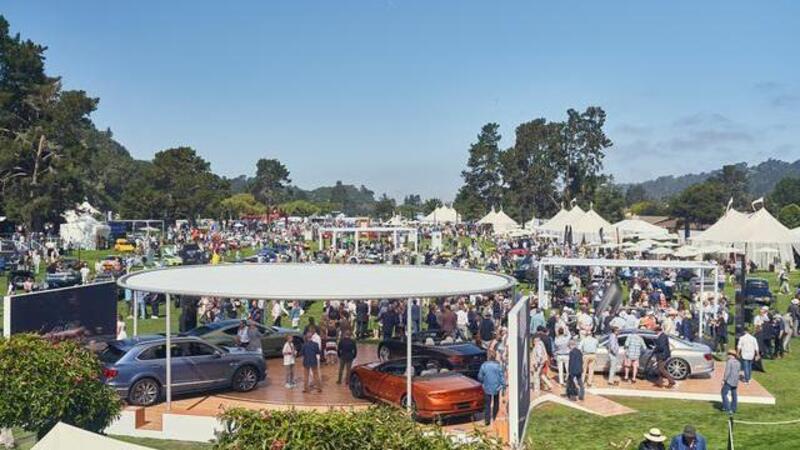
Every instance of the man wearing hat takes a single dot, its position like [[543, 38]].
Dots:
[[730, 382], [653, 440], [690, 439]]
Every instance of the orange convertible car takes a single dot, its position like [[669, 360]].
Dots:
[[437, 392]]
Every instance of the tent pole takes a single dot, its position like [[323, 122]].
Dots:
[[543, 304], [169, 355], [409, 366], [702, 298], [135, 314]]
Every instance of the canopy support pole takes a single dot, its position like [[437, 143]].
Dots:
[[416, 241], [135, 314], [543, 303], [702, 299], [169, 354], [409, 367], [356, 241]]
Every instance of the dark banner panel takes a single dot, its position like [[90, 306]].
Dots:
[[524, 368], [79, 311]]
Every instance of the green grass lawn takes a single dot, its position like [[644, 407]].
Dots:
[[557, 427]]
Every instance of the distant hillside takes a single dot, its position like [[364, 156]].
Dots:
[[761, 179]]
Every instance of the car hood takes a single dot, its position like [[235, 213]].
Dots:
[[464, 349]]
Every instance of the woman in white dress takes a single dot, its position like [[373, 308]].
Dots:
[[121, 333]]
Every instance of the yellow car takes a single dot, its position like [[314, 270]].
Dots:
[[123, 245]]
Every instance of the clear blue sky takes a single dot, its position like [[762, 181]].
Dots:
[[390, 93]]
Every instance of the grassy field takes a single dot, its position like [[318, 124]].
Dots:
[[554, 427]]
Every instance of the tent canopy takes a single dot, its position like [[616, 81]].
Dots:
[[590, 227], [563, 218], [443, 214], [316, 281], [499, 221], [631, 227]]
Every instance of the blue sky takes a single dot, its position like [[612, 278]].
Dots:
[[390, 94]]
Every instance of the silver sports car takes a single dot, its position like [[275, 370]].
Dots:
[[688, 358]]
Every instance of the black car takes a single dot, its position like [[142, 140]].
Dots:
[[62, 278], [192, 254], [464, 357], [757, 293]]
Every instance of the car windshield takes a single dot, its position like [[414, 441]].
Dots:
[[111, 354]]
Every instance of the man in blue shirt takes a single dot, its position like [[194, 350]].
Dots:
[[689, 440], [491, 377], [311, 354]]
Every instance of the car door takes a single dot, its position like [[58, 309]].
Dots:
[[208, 364], [271, 341], [393, 385], [154, 361]]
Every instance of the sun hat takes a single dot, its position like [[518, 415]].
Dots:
[[655, 435]]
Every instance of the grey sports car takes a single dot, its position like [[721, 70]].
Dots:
[[688, 358], [224, 333]]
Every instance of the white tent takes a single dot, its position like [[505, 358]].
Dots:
[[488, 218], [68, 437], [82, 229], [754, 233], [563, 218], [443, 214], [591, 227], [533, 223], [397, 221], [638, 227], [502, 223]]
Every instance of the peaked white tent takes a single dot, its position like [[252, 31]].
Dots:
[[397, 221], [443, 214], [638, 227], [563, 218], [591, 227], [754, 233], [499, 221], [487, 219], [533, 223], [68, 437]]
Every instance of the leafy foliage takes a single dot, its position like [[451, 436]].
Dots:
[[376, 428], [789, 215], [241, 204], [44, 383], [701, 203], [269, 185], [483, 183], [302, 208], [786, 192]]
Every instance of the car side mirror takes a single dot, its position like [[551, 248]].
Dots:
[[217, 354]]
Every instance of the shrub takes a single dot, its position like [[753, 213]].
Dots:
[[43, 383], [376, 428]]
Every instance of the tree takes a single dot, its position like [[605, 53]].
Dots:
[[270, 182], [431, 204], [733, 180], [412, 205], [482, 179], [635, 194], [786, 192], [46, 383], [790, 216], [530, 170], [582, 149], [302, 208], [609, 201], [384, 207], [241, 204], [701, 203], [649, 208], [469, 203]]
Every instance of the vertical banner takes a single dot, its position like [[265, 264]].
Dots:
[[519, 372]]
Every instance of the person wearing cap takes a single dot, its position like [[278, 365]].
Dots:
[[653, 440], [690, 439], [794, 311], [730, 382]]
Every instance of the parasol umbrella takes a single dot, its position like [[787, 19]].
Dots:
[[661, 251]]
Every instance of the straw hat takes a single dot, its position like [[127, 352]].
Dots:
[[655, 435]]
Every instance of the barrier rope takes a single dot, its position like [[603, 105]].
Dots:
[[784, 422]]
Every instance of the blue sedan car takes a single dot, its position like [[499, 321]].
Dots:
[[136, 367]]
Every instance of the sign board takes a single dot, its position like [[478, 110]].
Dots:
[[519, 396]]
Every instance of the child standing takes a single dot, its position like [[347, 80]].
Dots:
[[288, 361]]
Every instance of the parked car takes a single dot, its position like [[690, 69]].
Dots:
[[62, 278], [266, 254], [171, 257], [192, 254], [688, 358], [136, 367], [123, 245], [464, 357], [224, 333], [757, 293], [17, 277], [436, 392]]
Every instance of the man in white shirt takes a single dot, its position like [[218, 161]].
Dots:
[[462, 322], [748, 352]]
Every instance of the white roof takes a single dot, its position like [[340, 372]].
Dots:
[[499, 221], [562, 219], [488, 218], [588, 262], [316, 281], [443, 214], [639, 226], [588, 227], [724, 228], [759, 227], [68, 437]]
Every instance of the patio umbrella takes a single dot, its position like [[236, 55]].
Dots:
[[767, 251], [661, 251]]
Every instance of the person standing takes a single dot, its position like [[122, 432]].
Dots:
[[449, 321], [289, 361], [121, 332], [362, 319], [561, 349], [690, 439], [748, 352], [539, 363], [613, 356], [311, 355], [662, 353], [486, 329], [493, 382], [575, 372], [347, 353], [633, 351], [730, 382], [588, 347]]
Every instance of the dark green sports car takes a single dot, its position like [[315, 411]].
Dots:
[[224, 333]]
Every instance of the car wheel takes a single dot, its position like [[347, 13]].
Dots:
[[356, 388], [384, 354], [144, 392], [245, 379], [678, 369], [413, 407]]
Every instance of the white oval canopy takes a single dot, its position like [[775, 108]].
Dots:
[[316, 281]]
